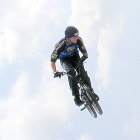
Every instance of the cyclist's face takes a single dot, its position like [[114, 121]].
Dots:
[[73, 39]]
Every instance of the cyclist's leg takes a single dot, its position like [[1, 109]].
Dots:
[[84, 75], [67, 65], [87, 81]]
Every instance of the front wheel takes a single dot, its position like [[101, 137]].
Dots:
[[95, 103], [97, 107], [91, 110]]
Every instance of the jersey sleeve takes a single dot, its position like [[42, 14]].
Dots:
[[81, 45], [59, 47]]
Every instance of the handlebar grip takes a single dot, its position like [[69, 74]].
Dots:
[[83, 58], [59, 74]]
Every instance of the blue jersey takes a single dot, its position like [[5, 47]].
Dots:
[[64, 50], [69, 51]]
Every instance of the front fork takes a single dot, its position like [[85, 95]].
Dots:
[[86, 98]]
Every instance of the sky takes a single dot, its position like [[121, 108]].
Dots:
[[34, 105]]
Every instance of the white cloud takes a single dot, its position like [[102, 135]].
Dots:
[[57, 92], [85, 15], [20, 34], [26, 25], [23, 114], [107, 40], [87, 20], [85, 137], [8, 45], [13, 109], [33, 117], [132, 127]]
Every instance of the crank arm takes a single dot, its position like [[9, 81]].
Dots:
[[83, 108]]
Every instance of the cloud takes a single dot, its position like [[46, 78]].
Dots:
[[23, 113], [20, 38], [8, 44], [23, 116], [85, 137], [27, 28], [107, 40], [93, 27], [132, 127], [85, 15], [13, 109]]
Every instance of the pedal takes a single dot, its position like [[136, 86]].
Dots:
[[83, 108]]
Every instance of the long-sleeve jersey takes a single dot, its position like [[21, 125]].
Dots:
[[64, 50]]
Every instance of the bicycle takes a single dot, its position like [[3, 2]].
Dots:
[[87, 96]]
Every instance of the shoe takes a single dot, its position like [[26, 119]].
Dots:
[[78, 101]]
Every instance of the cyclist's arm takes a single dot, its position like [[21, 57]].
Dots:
[[53, 65], [82, 47], [59, 47], [85, 54]]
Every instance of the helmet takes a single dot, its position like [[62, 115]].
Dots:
[[71, 31]]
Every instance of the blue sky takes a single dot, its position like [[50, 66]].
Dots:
[[34, 105]]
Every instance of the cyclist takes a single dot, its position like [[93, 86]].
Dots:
[[67, 50]]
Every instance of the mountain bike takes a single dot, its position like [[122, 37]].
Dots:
[[89, 98]]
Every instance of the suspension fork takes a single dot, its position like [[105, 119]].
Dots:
[[85, 98]]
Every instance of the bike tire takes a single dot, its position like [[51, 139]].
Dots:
[[97, 107], [95, 102], [87, 98], [91, 110]]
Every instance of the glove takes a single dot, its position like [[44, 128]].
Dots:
[[57, 74], [83, 58]]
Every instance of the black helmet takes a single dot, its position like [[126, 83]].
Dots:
[[71, 31]]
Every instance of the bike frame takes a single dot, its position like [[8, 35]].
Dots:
[[85, 95], [83, 89]]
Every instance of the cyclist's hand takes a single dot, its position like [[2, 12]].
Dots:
[[83, 58], [58, 74]]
